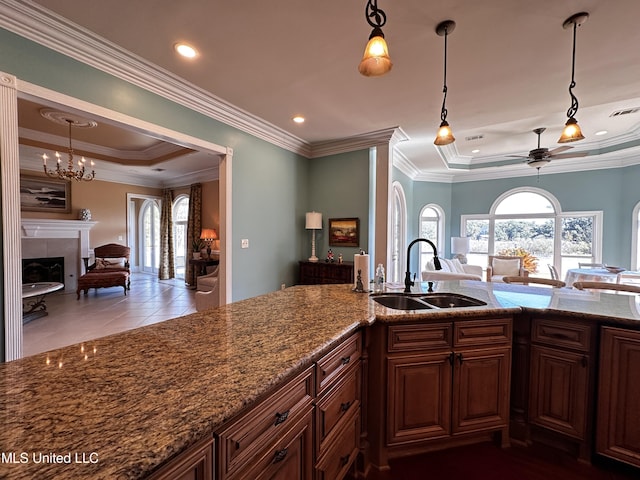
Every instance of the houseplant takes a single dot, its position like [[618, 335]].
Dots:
[[197, 245]]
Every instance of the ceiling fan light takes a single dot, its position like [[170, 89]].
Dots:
[[445, 135], [538, 163], [571, 132], [376, 60]]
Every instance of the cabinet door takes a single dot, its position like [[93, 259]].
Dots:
[[618, 430], [196, 463], [558, 392], [481, 389], [419, 397]]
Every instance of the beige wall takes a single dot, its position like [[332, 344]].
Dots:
[[108, 204]]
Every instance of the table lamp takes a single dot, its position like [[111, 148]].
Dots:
[[313, 223], [460, 246], [208, 235]]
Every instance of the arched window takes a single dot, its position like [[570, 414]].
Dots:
[[635, 239], [398, 233], [431, 227], [150, 236], [529, 221], [180, 247]]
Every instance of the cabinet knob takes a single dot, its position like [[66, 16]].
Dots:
[[279, 455], [460, 358], [345, 406], [344, 460], [280, 418], [345, 360]]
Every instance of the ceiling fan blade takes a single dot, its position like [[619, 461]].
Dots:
[[570, 155], [560, 149], [518, 156]]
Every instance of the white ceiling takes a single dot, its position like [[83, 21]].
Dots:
[[509, 67]]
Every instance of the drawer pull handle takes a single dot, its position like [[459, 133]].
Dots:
[[451, 358], [345, 406], [345, 360], [460, 358], [280, 418], [279, 455], [559, 336], [344, 460]]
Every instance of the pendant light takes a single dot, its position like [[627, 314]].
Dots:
[[375, 61], [445, 135], [572, 132]]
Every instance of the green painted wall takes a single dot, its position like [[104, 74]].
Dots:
[[338, 188], [269, 183]]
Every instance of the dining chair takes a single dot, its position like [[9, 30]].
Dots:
[[537, 280], [590, 265], [554, 272], [606, 286], [629, 278]]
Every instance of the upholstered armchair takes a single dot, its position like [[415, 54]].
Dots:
[[505, 266], [208, 282]]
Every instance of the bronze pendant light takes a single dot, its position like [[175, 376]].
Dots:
[[375, 61], [571, 131], [445, 135]]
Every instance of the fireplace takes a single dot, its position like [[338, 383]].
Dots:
[[49, 269]]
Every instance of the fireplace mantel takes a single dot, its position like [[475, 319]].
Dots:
[[49, 228]]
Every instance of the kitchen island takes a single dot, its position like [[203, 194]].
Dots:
[[121, 406]]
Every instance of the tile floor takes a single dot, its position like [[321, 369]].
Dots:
[[105, 311]]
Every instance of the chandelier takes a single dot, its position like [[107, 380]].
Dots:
[[69, 173]]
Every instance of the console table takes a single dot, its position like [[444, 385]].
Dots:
[[312, 273]]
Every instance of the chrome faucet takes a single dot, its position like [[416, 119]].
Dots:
[[408, 283]]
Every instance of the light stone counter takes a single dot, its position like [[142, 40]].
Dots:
[[126, 403]]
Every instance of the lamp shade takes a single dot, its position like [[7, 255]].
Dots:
[[460, 245], [375, 61], [208, 234], [313, 221]]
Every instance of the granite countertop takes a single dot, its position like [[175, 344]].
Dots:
[[119, 406]]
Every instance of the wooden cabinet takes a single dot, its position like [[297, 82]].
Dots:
[[618, 429], [274, 438], [312, 273], [308, 429], [338, 419], [561, 375], [446, 381], [195, 463]]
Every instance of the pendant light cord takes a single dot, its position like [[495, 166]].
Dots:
[[573, 109], [443, 112]]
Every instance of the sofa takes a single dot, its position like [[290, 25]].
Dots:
[[451, 270]]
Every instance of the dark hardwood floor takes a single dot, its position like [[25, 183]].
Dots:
[[490, 462]]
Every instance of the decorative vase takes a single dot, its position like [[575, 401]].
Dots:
[[85, 214]]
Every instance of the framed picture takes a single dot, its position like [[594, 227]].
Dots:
[[40, 194], [344, 232]]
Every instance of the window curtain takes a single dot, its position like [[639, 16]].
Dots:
[[167, 267], [194, 227]]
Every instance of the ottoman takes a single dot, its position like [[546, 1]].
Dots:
[[101, 280]]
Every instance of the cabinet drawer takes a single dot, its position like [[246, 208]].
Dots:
[[244, 437], [576, 336], [489, 331], [331, 366], [406, 338], [288, 458], [336, 405], [337, 460]]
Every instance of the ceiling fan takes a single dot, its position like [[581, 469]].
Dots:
[[540, 156]]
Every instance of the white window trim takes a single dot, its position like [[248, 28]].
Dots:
[[558, 216], [634, 237], [398, 195]]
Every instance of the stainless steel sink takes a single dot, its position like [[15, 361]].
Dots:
[[399, 301], [451, 300], [403, 301]]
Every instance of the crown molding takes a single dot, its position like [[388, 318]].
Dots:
[[46, 28]]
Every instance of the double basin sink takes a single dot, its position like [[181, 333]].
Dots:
[[425, 301]]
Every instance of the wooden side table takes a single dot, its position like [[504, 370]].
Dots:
[[200, 267], [312, 273]]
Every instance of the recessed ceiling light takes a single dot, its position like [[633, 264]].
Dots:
[[185, 50], [475, 151], [298, 119], [601, 132]]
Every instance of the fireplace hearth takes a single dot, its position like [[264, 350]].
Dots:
[[50, 269]]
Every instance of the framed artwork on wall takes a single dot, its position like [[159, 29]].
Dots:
[[40, 194], [344, 232]]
